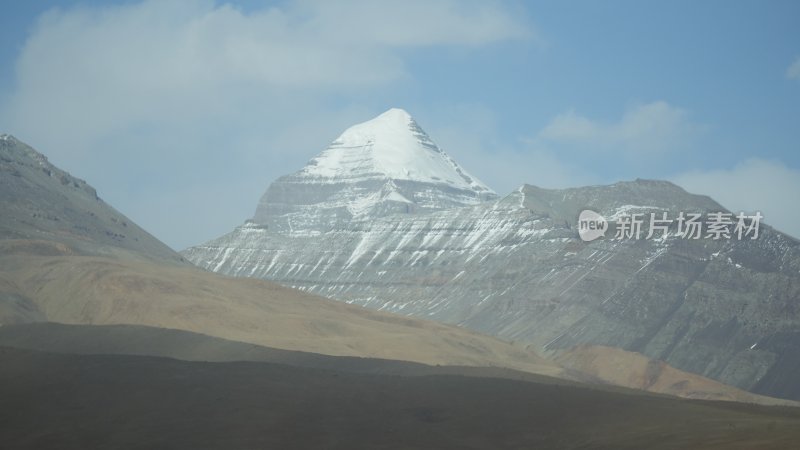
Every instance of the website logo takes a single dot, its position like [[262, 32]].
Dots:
[[591, 225], [715, 225]]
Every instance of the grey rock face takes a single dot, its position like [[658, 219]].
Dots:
[[516, 268], [42, 202]]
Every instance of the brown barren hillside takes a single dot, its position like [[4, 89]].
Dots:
[[636, 371], [98, 290]]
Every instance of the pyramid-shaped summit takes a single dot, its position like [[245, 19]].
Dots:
[[391, 145], [387, 165]]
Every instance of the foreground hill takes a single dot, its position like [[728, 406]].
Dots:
[[99, 290], [598, 366], [137, 340], [144, 402], [634, 370]]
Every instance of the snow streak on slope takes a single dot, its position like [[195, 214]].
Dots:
[[515, 268]]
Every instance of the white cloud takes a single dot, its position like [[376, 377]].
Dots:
[[413, 23], [647, 128], [86, 73], [753, 185], [179, 94], [793, 72]]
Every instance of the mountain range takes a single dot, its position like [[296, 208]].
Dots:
[[431, 241]]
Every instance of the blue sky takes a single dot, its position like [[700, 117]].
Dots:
[[182, 112]]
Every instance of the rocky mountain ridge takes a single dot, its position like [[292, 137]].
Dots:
[[516, 268], [42, 202]]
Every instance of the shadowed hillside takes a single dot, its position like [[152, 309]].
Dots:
[[145, 402]]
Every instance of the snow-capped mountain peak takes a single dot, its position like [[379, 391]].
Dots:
[[386, 165], [391, 146]]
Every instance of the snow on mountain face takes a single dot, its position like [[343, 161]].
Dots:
[[516, 268], [391, 145], [387, 165]]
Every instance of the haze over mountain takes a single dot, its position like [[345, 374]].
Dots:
[[515, 267]]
